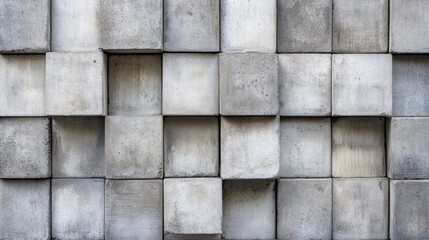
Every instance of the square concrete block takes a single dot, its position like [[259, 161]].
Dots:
[[25, 26], [133, 209], [135, 85], [25, 209], [362, 85], [250, 147], [304, 209], [248, 84], [191, 147], [248, 26], [305, 84], [191, 25], [77, 147], [193, 206], [133, 147], [76, 83], [22, 85], [190, 84], [305, 147], [360, 26]]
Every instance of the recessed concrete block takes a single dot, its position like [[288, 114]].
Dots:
[[250, 147], [248, 84], [305, 84], [190, 84], [133, 147], [360, 26], [186, 199], [135, 85], [304, 209], [362, 85], [25, 209], [133, 209]]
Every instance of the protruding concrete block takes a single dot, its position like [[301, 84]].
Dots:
[[248, 84], [362, 85], [250, 147], [304, 209], [190, 84], [135, 85]]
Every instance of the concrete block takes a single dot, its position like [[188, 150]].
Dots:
[[186, 199], [25, 209], [248, 26], [78, 208], [305, 147], [191, 147], [133, 209], [26, 26], [305, 84], [304, 26], [192, 236], [131, 25], [250, 147], [25, 148], [191, 25], [360, 208], [360, 26], [22, 85], [76, 83], [304, 209], [77, 147], [135, 85], [248, 84], [362, 85], [190, 84], [133, 147]]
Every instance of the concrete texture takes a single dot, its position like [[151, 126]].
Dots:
[[305, 84], [304, 209], [362, 85], [191, 147], [192, 236], [135, 85], [248, 84], [190, 84], [250, 147]]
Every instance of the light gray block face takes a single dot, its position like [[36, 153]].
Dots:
[[362, 85], [133, 209], [305, 84], [25, 209], [133, 147], [250, 147], [135, 85], [248, 84], [190, 84], [304, 209], [191, 25]]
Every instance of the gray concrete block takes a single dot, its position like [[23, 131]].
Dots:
[[305, 84], [78, 208], [248, 84], [77, 147], [360, 208], [133, 147], [304, 209], [133, 209], [361, 85], [135, 85], [25, 148], [360, 26], [186, 199], [250, 147], [25, 209], [191, 25], [190, 84], [76, 83], [192, 236]]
